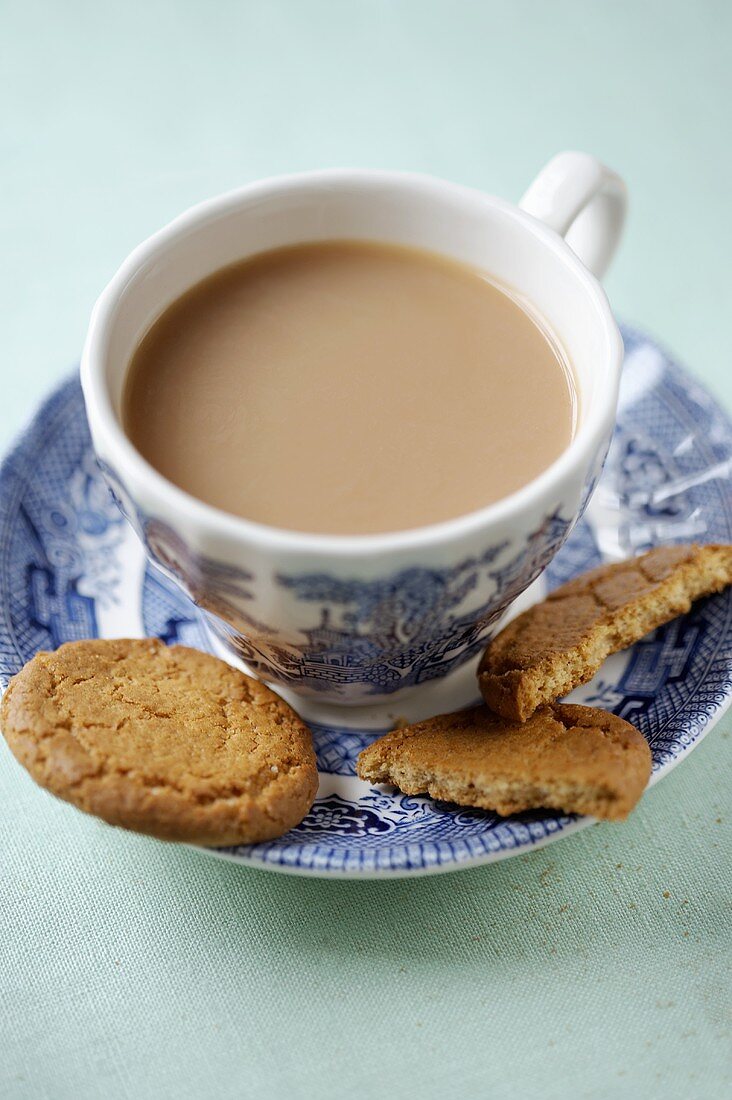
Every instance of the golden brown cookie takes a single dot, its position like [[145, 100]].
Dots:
[[559, 644], [163, 740], [568, 758]]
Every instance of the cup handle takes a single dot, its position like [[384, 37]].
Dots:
[[585, 202]]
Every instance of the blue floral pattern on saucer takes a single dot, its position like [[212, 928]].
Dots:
[[72, 568]]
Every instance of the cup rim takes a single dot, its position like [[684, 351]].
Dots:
[[230, 527]]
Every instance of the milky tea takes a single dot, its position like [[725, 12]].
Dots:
[[349, 388]]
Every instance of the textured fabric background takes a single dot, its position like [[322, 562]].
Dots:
[[597, 968]]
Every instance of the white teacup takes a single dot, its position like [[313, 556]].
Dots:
[[365, 620]]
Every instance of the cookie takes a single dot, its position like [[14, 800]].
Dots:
[[163, 740], [568, 758], [559, 644]]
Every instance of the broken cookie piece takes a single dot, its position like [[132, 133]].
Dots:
[[559, 644], [569, 758]]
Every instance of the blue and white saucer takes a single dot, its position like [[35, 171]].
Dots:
[[70, 567]]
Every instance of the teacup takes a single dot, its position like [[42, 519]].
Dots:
[[362, 621]]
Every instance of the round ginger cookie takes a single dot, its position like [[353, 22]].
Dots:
[[163, 740]]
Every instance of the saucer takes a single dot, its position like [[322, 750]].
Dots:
[[70, 567]]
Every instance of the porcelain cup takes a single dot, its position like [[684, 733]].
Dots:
[[363, 621]]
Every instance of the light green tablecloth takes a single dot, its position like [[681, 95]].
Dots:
[[595, 968]]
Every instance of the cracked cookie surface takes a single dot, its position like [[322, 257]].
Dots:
[[163, 740], [569, 758], [559, 644]]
